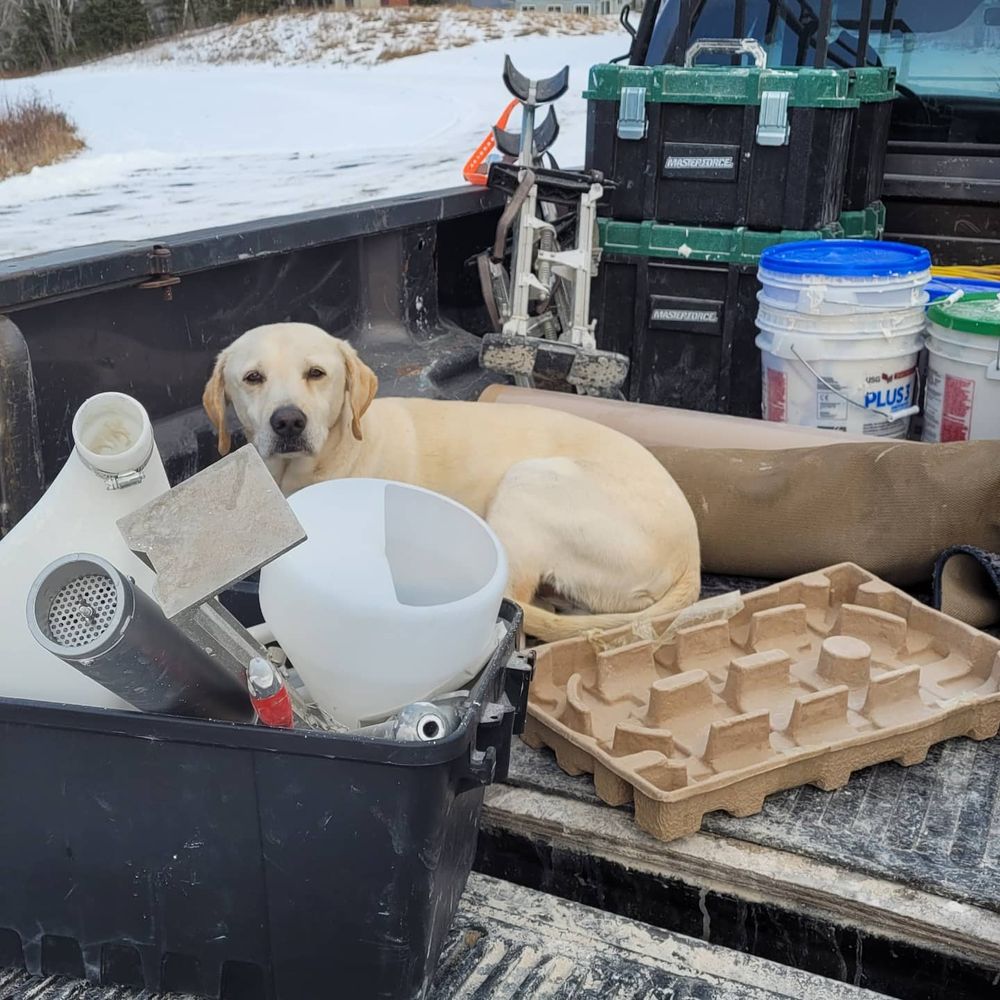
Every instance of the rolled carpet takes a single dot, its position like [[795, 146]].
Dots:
[[967, 585], [887, 506], [791, 500]]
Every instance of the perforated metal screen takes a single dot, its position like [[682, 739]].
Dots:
[[82, 610]]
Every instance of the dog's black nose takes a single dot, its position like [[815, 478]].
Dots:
[[288, 421]]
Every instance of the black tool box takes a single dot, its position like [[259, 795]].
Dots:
[[237, 861], [734, 146], [690, 336], [678, 32], [875, 90], [691, 330]]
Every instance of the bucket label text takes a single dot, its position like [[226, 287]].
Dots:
[[894, 398]]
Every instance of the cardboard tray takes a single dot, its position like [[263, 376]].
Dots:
[[803, 682]]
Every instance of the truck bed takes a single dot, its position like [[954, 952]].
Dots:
[[510, 942], [892, 882]]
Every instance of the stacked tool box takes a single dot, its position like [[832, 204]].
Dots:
[[712, 164]]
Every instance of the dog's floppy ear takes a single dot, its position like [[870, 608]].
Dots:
[[362, 384], [214, 401]]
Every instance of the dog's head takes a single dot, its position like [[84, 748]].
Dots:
[[290, 384]]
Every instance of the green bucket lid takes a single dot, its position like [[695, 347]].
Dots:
[[979, 313]]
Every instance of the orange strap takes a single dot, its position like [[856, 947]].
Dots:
[[474, 170]]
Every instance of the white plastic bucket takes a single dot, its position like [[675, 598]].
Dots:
[[392, 599], [833, 277], [841, 329], [886, 324], [856, 382], [962, 400], [833, 296]]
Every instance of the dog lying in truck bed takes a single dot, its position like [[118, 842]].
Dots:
[[583, 511]]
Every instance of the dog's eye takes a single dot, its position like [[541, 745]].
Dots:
[[315, 373], [253, 377]]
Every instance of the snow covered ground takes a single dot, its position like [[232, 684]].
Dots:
[[280, 116], [359, 38]]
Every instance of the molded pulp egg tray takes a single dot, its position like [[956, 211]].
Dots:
[[801, 683]]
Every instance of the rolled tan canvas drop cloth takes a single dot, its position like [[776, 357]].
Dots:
[[890, 507], [666, 425], [789, 500]]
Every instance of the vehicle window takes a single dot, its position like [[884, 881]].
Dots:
[[947, 54], [938, 48]]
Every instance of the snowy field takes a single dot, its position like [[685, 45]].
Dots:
[[283, 115]]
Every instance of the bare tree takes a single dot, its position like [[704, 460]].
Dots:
[[49, 24], [10, 20], [58, 15]]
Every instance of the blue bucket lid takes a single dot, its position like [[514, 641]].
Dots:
[[845, 258], [941, 288]]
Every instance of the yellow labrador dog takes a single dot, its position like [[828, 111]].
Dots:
[[583, 511]]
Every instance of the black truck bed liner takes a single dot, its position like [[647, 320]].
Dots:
[[510, 942], [890, 882]]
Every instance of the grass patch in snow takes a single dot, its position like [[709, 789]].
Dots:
[[32, 134], [357, 37], [390, 52]]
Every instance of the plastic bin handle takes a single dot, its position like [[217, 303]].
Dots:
[[489, 758], [740, 46], [517, 676]]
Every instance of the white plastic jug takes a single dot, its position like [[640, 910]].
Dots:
[[113, 470], [392, 598]]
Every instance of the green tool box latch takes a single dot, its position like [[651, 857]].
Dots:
[[772, 126], [632, 123]]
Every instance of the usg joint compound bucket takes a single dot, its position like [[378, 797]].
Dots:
[[962, 402], [859, 384], [841, 329]]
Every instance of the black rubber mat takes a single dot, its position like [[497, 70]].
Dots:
[[934, 826]]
